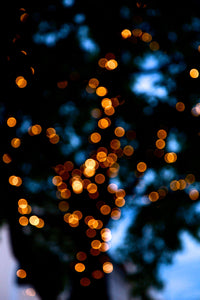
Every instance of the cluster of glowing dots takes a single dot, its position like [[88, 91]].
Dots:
[[160, 143], [107, 268], [92, 85], [108, 107], [90, 167], [15, 142], [25, 209], [52, 135], [74, 218], [144, 36], [182, 184], [108, 62]]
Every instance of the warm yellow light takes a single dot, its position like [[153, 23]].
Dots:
[[21, 273], [95, 137], [15, 142], [50, 132], [105, 209], [40, 224], [128, 150], [141, 167], [126, 33], [57, 180], [90, 163], [194, 194], [162, 134], [22, 203], [183, 184], [103, 123], [106, 235], [21, 82], [35, 129], [160, 144], [146, 37], [24, 17], [174, 185], [77, 186], [116, 214], [101, 91], [34, 220], [65, 194], [115, 144], [108, 267], [79, 267], [96, 244], [106, 102], [102, 62], [153, 196], [92, 223], [88, 172], [6, 158], [73, 220], [15, 180], [112, 188], [92, 188], [32, 70], [120, 201], [23, 221], [54, 139], [170, 157], [111, 64], [11, 122], [101, 156], [194, 73], [119, 131], [93, 83]]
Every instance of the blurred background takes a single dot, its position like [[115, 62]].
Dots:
[[99, 123]]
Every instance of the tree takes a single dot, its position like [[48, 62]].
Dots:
[[100, 107]]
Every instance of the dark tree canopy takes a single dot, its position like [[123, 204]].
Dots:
[[99, 118]]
